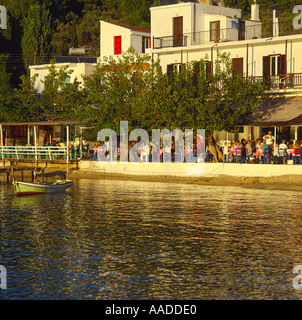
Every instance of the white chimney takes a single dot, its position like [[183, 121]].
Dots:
[[255, 11], [275, 24]]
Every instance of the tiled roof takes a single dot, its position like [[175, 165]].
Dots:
[[140, 29]]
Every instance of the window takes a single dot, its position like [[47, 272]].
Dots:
[[146, 44], [274, 65], [207, 69], [175, 67], [117, 44], [66, 81], [274, 70], [215, 31], [241, 30]]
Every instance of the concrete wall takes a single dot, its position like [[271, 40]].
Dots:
[[190, 170]]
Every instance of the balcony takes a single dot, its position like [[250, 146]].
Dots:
[[284, 81], [206, 37]]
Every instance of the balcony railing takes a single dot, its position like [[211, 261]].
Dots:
[[283, 81], [204, 37], [235, 33]]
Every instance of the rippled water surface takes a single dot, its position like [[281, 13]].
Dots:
[[107, 239]]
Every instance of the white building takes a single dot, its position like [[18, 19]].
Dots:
[[80, 67], [117, 38], [191, 31]]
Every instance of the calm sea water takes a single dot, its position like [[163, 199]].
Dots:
[[107, 239]]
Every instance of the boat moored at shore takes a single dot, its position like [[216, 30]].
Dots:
[[28, 188]]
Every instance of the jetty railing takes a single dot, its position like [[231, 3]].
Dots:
[[34, 152]]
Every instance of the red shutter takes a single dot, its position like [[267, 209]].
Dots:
[[117, 44]]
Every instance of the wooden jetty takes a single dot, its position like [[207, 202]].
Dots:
[[10, 171], [36, 172]]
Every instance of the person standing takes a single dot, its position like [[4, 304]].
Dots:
[[269, 138]]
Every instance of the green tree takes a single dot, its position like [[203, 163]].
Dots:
[[5, 87], [124, 89], [37, 35], [113, 89], [21, 103], [194, 99], [61, 98]]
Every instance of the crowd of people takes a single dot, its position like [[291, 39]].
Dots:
[[264, 150], [145, 152]]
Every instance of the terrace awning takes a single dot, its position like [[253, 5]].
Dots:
[[278, 112]]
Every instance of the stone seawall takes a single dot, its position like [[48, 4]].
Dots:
[[190, 170]]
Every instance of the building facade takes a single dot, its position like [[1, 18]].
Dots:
[[192, 31]]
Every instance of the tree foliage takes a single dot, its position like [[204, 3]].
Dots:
[[134, 89], [125, 89], [60, 96], [36, 36], [5, 88], [21, 103]]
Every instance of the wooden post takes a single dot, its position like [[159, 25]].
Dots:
[[275, 134], [296, 133], [1, 137], [28, 135], [67, 144], [35, 137]]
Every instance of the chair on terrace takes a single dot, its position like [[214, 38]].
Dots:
[[281, 154]]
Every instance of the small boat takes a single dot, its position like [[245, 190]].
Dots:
[[26, 188]]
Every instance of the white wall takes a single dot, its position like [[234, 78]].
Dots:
[[193, 17], [79, 70], [252, 50], [107, 33], [129, 38]]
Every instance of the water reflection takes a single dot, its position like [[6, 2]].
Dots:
[[105, 239]]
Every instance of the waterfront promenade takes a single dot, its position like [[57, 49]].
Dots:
[[207, 169]]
